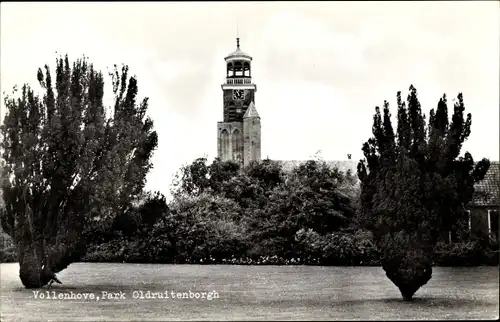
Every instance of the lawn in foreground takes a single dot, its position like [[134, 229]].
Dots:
[[251, 293]]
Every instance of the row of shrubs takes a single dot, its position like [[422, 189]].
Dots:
[[468, 253], [312, 249], [339, 250], [330, 250]]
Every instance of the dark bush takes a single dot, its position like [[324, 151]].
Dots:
[[8, 251], [337, 248], [472, 252]]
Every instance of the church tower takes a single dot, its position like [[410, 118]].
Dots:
[[239, 135]]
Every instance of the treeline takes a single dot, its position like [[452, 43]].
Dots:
[[260, 214]]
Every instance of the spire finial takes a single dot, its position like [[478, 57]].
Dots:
[[237, 35]]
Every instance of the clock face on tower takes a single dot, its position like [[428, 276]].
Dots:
[[238, 94], [235, 103]]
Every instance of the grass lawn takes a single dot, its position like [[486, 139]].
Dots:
[[250, 293]]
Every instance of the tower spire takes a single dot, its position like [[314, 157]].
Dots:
[[237, 35]]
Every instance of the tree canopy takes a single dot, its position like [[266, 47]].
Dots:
[[70, 160], [415, 184]]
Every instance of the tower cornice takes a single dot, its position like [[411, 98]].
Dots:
[[237, 86]]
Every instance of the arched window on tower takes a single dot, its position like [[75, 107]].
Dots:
[[238, 69], [246, 69], [253, 153], [230, 70], [224, 138], [237, 140]]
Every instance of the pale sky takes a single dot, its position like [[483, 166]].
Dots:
[[320, 67]]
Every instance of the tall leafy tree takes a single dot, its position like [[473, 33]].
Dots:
[[309, 197], [199, 177], [415, 184], [70, 161]]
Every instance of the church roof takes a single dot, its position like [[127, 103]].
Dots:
[[342, 165], [486, 194], [251, 111], [487, 191]]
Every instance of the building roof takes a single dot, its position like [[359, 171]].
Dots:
[[343, 165], [238, 53], [487, 191], [486, 194], [251, 111]]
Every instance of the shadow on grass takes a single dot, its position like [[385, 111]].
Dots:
[[363, 303], [444, 302]]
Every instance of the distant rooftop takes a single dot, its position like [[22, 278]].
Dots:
[[342, 165], [487, 191]]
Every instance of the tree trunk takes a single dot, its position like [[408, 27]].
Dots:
[[407, 291], [31, 259], [39, 261], [409, 284]]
